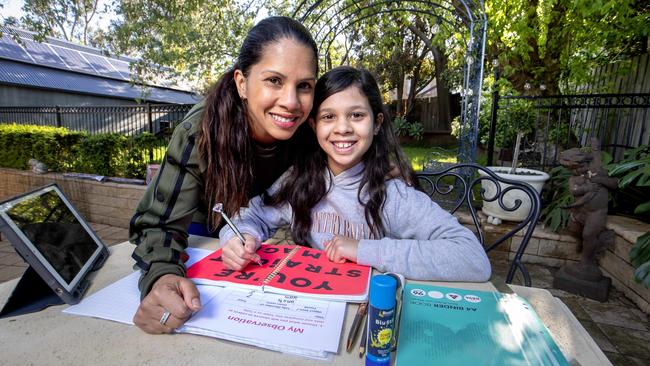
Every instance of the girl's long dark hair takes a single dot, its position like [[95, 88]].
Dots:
[[225, 137], [306, 184]]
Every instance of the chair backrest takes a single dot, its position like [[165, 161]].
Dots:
[[460, 185]]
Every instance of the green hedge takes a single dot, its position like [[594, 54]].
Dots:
[[62, 150]]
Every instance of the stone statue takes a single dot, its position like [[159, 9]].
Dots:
[[37, 166], [589, 184]]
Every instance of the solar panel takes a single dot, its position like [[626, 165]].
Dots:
[[74, 59], [10, 49], [122, 67], [67, 57], [102, 66], [43, 55]]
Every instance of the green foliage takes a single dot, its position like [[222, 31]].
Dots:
[[65, 151], [634, 168], [101, 154], [403, 127], [197, 40], [515, 115], [518, 116], [139, 151], [633, 173], [558, 42], [558, 196], [50, 145], [640, 258], [67, 19]]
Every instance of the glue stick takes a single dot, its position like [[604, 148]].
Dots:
[[381, 320]]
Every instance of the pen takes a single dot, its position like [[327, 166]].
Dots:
[[354, 330], [218, 207], [364, 339]]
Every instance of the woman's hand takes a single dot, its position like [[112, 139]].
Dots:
[[342, 248], [175, 294], [236, 256]]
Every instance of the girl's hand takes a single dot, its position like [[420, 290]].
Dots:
[[342, 248], [236, 255]]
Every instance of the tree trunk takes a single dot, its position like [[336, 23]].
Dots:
[[442, 89]]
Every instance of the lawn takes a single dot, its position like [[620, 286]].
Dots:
[[419, 155]]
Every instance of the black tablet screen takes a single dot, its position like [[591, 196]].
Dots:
[[55, 232]]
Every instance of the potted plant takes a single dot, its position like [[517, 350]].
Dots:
[[518, 122]]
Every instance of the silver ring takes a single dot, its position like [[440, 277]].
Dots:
[[164, 317]]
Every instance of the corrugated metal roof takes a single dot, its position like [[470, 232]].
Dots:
[[17, 73], [62, 55]]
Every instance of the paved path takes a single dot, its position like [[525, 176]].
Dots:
[[620, 329]]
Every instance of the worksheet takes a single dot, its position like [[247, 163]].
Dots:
[[271, 321]]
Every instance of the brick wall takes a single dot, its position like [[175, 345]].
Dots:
[[615, 262], [545, 247], [99, 202]]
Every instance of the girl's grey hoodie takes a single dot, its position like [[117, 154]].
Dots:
[[422, 241]]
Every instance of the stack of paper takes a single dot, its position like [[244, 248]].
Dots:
[[278, 322]]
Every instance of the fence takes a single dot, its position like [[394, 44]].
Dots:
[[632, 76], [158, 119], [619, 121]]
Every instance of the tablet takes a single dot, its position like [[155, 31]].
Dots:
[[53, 238]]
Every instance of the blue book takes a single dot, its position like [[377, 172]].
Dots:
[[448, 326]]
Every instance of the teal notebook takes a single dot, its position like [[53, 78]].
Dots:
[[448, 326]]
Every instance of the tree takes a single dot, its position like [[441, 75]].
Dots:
[[67, 19], [557, 42], [197, 40], [393, 43], [391, 51]]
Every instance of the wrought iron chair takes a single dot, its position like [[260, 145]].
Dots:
[[460, 185]]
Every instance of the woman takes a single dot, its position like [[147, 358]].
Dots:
[[229, 148]]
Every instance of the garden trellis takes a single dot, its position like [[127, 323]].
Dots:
[[329, 19]]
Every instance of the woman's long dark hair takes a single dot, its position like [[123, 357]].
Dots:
[[306, 185], [225, 137]]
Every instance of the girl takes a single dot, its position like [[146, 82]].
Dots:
[[228, 149], [337, 198]]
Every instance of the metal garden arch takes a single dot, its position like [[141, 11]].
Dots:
[[339, 15]]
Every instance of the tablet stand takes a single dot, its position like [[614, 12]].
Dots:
[[31, 294]]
